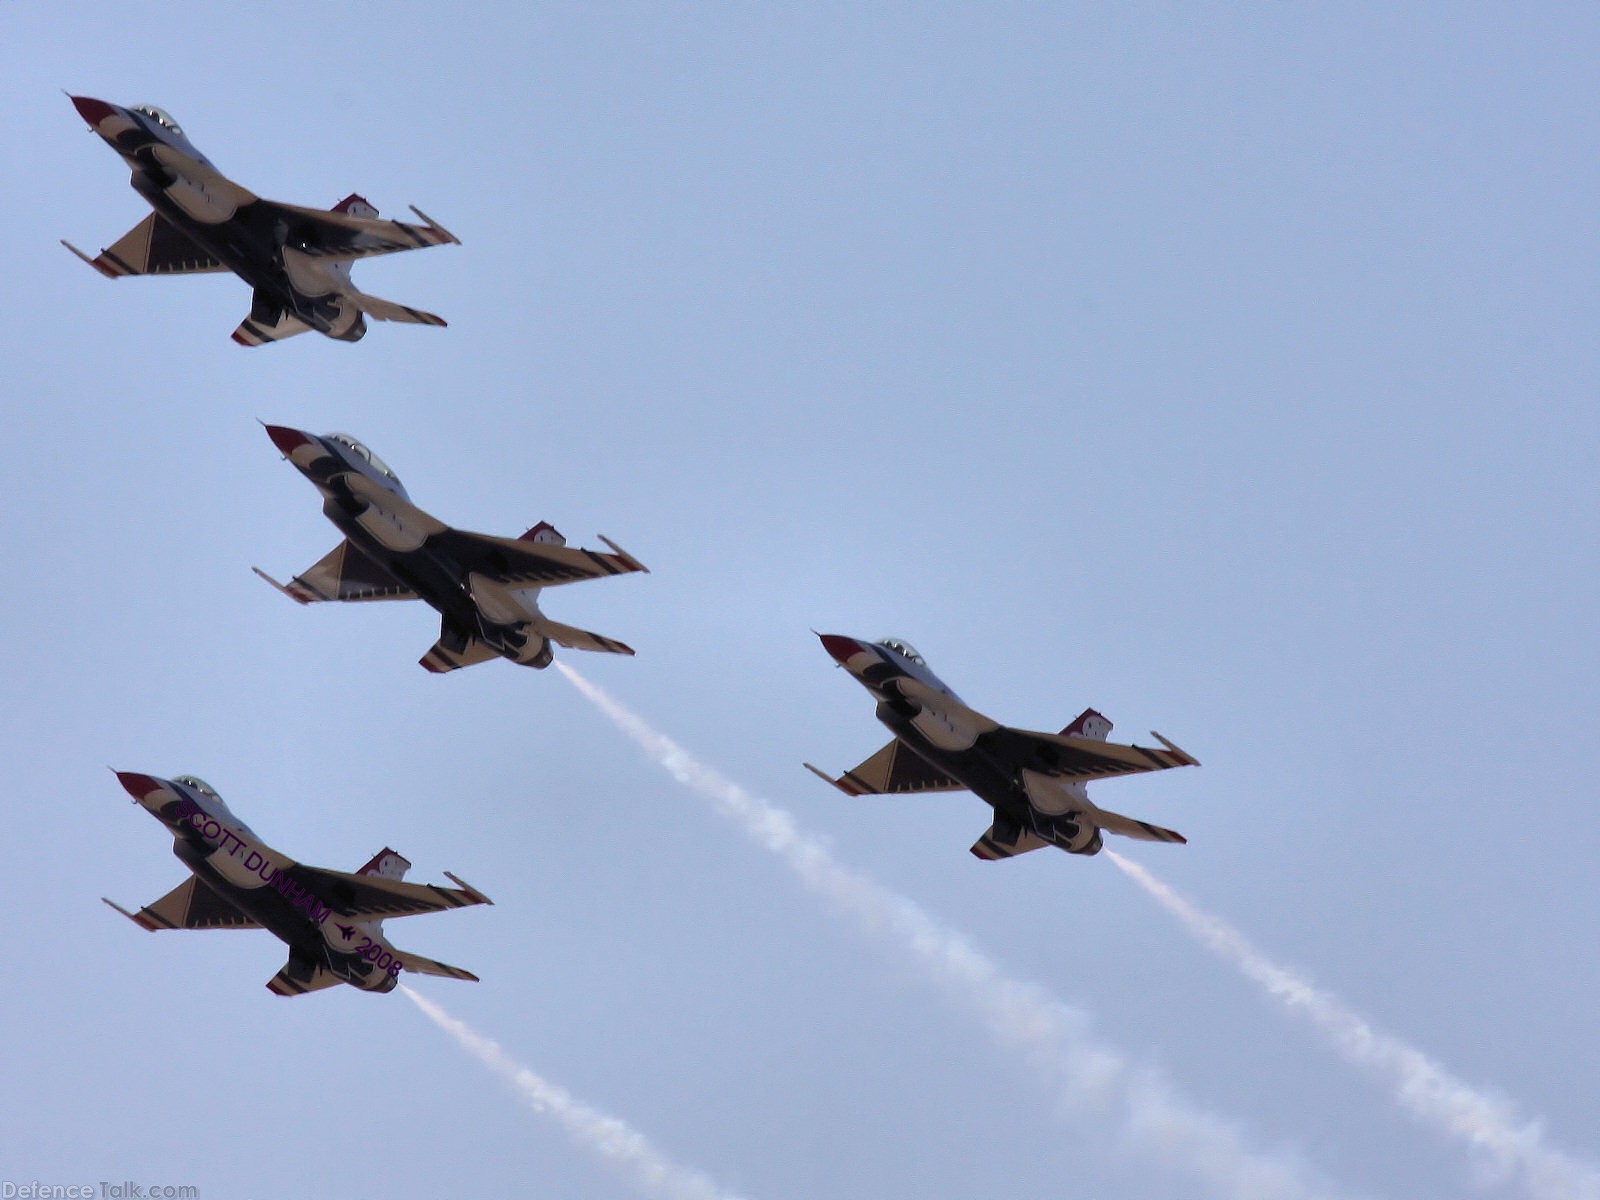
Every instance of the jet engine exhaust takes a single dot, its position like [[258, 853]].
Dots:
[[1096, 1079], [1513, 1148], [607, 1136]]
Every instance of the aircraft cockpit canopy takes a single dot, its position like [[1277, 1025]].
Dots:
[[161, 117], [350, 443], [904, 649], [199, 785]]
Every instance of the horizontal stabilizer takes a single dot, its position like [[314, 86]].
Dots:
[[252, 332], [298, 977], [578, 639], [428, 966], [388, 310], [1128, 827], [1006, 842], [450, 653]]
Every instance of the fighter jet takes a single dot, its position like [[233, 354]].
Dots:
[[297, 259], [1033, 781], [485, 588], [331, 920]]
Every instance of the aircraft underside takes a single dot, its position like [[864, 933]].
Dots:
[[1015, 814], [250, 243]]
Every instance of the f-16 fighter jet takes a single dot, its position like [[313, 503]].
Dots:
[[485, 588], [1033, 781], [297, 259], [331, 920]]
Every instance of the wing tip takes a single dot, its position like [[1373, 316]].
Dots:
[[839, 783], [287, 591], [433, 225], [104, 268], [628, 560], [466, 887], [1182, 755], [136, 918]]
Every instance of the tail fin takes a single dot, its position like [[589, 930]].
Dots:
[[355, 206], [545, 534], [386, 863], [1089, 724], [375, 307]]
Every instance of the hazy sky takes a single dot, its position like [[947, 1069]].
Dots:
[[1231, 369]]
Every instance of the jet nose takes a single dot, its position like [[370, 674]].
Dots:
[[92, 110], [138, 786], [286, 439], [840, 647]]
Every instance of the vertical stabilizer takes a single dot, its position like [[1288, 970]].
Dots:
[[545, 534], [387, 863], [1089, 724], [355, 206]]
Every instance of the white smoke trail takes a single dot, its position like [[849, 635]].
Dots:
[[608, 1136], [1513, 1149], [1156, 1121]]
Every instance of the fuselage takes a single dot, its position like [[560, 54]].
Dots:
[[264, 885], [255, 239], [929, 719], [368, 504]]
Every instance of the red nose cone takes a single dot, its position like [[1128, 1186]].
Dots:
[[840, 647], [286, 439], [92, 110], [138, 786]]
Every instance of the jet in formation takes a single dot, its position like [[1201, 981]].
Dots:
[[1035, 782], [485, 588], [297, 259], [332, 921]]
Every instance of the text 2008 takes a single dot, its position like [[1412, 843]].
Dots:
[[378, 956]]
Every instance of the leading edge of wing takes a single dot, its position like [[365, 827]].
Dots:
[[374, 896]]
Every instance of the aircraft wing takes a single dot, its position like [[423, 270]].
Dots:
[[518, 563], [892, 771], [190, 905], [152, 247], [344, 237], [375, 897], [344, 573], [1067, 756]]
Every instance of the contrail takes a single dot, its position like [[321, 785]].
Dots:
[[1156, 1121], [608, 1136], [1512, 1148]]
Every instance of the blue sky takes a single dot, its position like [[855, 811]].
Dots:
[[1230, 369]]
